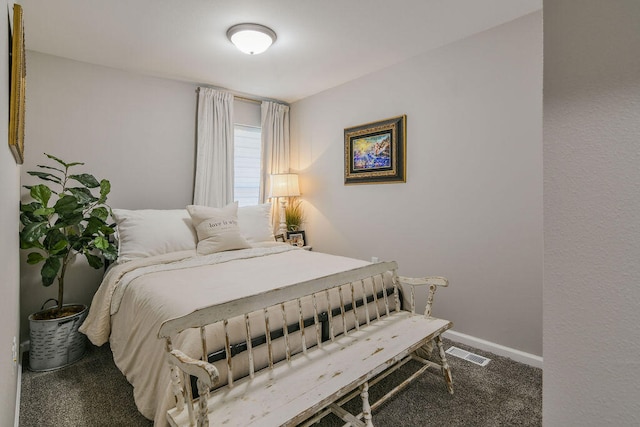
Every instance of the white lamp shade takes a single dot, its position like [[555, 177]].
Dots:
[[251, 39], [284, 185]]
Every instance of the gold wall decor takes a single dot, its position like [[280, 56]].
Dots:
[[375, 153], [17, 59]]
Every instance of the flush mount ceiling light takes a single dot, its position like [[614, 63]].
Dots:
[[251, 39]]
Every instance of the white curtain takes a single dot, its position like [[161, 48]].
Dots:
[[275, 149], [214, 155]]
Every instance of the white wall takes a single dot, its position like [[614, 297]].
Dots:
[[592, 213], [472, 205], [246, 113], [137, 131], [10, 193]]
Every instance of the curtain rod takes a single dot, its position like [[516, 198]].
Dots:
[[244, 98]]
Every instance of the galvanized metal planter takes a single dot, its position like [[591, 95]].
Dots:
[[56, 343]]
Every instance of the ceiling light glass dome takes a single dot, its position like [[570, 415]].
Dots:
[[251, 39]]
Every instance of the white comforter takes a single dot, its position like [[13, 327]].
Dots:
[[136, 297]]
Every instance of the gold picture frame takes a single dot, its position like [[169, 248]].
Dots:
[[375, 153], [17, 59]]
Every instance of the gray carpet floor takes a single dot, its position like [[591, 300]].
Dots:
[[93, 392]]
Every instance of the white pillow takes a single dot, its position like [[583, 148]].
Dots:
[[217, 228], [255, 223], [148, 232]]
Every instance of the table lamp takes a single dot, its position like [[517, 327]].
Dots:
[[283, 185]]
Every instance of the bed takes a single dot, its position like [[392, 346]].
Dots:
[[162, 274]]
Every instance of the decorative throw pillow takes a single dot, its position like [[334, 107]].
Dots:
[[255, 223], [148, 232], [217, 228]]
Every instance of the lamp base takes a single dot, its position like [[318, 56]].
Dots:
[[283, 224]]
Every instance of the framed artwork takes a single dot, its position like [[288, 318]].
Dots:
[[297, 238], [376, 152], [17, 59], [280, 238]]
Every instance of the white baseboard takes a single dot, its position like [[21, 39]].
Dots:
[[500, 350], [16, 419]]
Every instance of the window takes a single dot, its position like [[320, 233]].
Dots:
[[246, 173]]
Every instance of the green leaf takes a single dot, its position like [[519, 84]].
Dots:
[[28, 218], [111, 253], [94, 225], [56, 159], [101, 243], [107, 230], [94, 261], [34, 258], [86, 179], [66, 165], [80, 243], [33, 232], [66, 204], [105, 189], [41, 193], [101, 213], [30, 245], [46, 176], [50, 270], [44, 212], [53, 237], [82, 195], [28, 213], [56, 242], [59, 247], [50, 167], [30, 207], [72, 219]]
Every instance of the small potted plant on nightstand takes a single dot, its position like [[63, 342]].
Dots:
[[293, 214], [294, 217], [59, 224]]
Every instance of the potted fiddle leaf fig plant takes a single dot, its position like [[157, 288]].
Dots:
[[66, 218]]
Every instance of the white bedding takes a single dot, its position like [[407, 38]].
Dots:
[[137, 296]]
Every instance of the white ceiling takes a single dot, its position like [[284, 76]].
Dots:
[[321, 44]]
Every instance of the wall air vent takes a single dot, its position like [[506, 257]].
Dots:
[[470, 357]]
